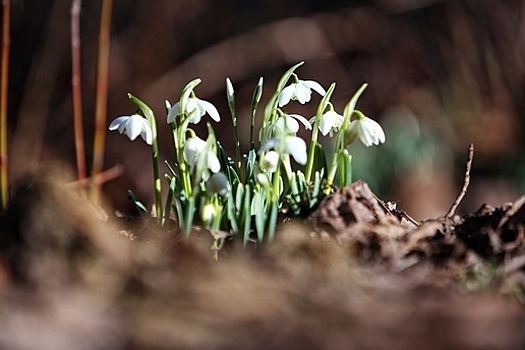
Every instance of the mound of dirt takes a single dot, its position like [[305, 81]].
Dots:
[[358, 274]]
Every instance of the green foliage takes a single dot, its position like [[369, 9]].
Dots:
[[246, 194]]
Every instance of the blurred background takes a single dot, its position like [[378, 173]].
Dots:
[[441, 74]]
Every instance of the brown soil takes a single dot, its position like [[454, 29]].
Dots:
[[358, 274]]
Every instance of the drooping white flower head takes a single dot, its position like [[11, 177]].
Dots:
[[330, 121], [367, 130], [196, 148], [296, 147], [133, 126], [287, 144], [270, 161], [208, 213], [196, 108], [288, 123], [300, 91], [218, 183]]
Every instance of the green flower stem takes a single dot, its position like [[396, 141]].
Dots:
[[315, 131], [340, 143], [257, 94], [332, 170], [270, 111], [179, 136], [231, 104], [285, 159], [148, 113], [183, 167], [276, 183]]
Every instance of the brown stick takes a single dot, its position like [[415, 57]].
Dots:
[[76, 89], [100, 178], [101, 93], [466, 182], [6, 42]]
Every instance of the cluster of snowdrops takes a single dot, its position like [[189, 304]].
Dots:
[[245, 194]]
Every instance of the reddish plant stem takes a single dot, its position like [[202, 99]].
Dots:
[[6, 41], [103, 177], [76, 89], [101, 94]]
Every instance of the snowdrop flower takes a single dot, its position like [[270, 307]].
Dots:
[[196, 148], [229, 91], [133, 126], [293, 145], [367, 130], [208, 212], [330, 121], [197, 108], [218, 183], [288, 122], [300, 91], [270, 161]]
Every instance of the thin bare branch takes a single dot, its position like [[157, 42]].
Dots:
[[76, 89], [6, 42], [101, 93], [466, 182]]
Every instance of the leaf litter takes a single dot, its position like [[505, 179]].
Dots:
[[359, 273]]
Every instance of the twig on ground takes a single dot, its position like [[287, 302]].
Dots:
[[466, 182]]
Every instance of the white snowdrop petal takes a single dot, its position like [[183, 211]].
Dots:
[[286, 95], [213, 162], [271, 161], [173, 113], [115, 124], [192, 148], [210, 109], [381, 135], [147, 136], [302, 93], [365, 135], [195, 116], [291, 124], [313, 85], [192, 104], [134, 126], [303, 120], [297, 148], [325, 126]]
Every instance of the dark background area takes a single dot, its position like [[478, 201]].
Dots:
[[441, 74]]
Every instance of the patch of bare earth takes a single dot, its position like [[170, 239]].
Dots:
[[358, 274]]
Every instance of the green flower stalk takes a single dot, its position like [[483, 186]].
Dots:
[[257, 94], [230, 95], [189, 109], [315, 131], [340, 143], [270, 113], [136, 125]]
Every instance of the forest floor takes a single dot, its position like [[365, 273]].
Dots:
[[357, 274]]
